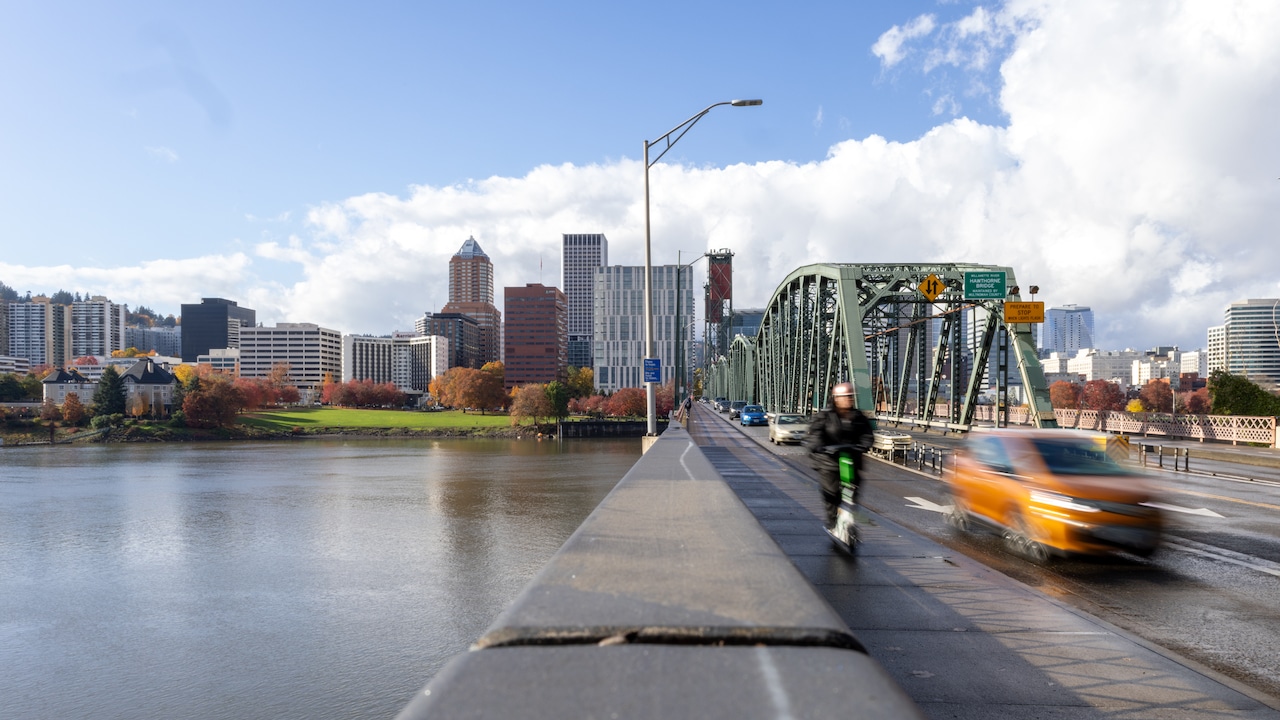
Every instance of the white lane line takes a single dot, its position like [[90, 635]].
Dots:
[[1179, 509], [1227, 556], [773, 683], [922, 504]]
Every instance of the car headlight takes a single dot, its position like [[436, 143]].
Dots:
[[1053, 499]]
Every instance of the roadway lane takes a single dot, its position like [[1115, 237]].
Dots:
[[1201, 600]]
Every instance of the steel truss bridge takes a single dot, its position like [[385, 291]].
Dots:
[[916, 351]]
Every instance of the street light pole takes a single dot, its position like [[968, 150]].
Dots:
[[681, 129]]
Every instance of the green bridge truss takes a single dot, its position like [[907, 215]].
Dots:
[[913, 357]]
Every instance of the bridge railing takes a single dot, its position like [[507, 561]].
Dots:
[[1234, 429], [669, 601]]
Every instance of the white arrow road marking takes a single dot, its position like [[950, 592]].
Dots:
[[1177, 508], [922, 504]]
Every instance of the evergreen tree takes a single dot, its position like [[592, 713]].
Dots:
[[108, 399], [62, 297], [8, 294], [1236, 395]]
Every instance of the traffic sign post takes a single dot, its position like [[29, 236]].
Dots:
[[653, 370], [985, 285]]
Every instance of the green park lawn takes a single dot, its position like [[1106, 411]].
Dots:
[[312, 419]]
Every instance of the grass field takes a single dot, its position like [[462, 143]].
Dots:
[[312, 419]]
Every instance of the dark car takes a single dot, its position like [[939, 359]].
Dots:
[[752, 415], [735, 408]]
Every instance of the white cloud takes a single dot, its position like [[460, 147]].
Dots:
[[817, 119], [1136, 174], [163, 153], [889, 47]]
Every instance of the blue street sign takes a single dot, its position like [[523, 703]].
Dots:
[[653, 370]]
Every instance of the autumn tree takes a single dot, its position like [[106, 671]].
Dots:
[[73, 411], [1157, 396], [85, 360], [581, 381], [49, 411], [628, 402], [139, 406], [211, 402], [1196, 403], [1066, 395], [530, 401], [108, 399], [1102, 395]]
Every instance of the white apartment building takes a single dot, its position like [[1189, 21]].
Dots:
[[312, 353], [1253, 339], [620, 322], [1112, 365], [1217, 348], [408, 360], [97, 327], [1195, 361], [223, 360], [11, 365], [40, 331]]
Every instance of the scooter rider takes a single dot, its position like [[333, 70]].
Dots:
[[839, 427]]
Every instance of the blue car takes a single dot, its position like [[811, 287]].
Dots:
[[753, 415]]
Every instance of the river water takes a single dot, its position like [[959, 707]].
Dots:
[[309, 579]]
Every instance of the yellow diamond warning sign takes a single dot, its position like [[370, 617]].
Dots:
[[931, 287]]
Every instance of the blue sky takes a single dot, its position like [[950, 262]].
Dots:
[[321, 161]]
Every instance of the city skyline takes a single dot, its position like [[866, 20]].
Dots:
[[171, 152]]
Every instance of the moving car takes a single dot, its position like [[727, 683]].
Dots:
[[721, 404], [1053, 492], [735, 408], [752, 415], [787, 428]]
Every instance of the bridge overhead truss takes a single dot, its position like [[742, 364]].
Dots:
[[917, 358]]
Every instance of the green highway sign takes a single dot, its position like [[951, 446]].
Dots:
[[985, 285]]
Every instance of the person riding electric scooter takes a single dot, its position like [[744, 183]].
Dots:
[[838, 436]]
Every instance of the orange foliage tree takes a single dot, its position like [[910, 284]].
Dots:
[[1063, 394]]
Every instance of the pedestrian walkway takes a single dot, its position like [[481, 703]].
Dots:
[[963, 640]]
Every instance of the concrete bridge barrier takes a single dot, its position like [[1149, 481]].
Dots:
[[669, 601]]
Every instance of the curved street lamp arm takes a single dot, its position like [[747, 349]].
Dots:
[[683, 128]]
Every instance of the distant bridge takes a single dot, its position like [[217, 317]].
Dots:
[[915, 339]]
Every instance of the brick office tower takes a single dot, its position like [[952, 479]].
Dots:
[[471, 294], [537, 340]]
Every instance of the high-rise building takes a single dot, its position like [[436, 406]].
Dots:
[[40, 331], [214, 323], [1217, 348], [4, 327], [620, 322], [408, 360], [580, 256], [1067, 329], [461, 332], [97, 327], [164, 340], [1253, 339], [536, 334], [313, 353], [471, 293]]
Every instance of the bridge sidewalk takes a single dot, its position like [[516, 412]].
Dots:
[[963, 640]]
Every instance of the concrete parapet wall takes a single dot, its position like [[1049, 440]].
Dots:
[[669, 601]]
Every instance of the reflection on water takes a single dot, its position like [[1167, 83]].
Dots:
[[306, 579]]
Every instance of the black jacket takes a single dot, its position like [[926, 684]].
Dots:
[[828, 432]]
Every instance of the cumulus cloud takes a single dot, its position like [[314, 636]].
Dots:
[[889, 47], [1136, 174]]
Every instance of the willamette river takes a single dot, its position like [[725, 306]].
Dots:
[[309, 579]]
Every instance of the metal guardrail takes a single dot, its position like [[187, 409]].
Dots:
[[1181, 456]]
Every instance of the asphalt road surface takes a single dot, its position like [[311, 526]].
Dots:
[[1211, 594]]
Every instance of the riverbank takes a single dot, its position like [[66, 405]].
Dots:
[[296, 423]]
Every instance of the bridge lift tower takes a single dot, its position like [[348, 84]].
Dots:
[[920, 342]]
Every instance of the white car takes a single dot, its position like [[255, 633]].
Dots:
[[788, 428]]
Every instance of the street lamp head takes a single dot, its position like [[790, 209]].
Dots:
[[745, 103]]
